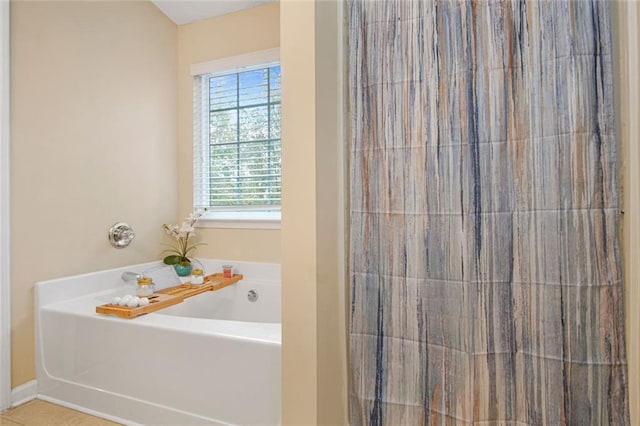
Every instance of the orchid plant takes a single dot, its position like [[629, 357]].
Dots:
[[180, 251]]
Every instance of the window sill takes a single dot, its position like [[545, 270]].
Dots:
[[240, 220]]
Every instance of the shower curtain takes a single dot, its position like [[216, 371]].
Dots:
[[486, 285]]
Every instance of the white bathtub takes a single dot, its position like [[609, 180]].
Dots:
[[213, 359]]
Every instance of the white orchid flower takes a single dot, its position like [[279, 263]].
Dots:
[[182, 233], [185, 231]]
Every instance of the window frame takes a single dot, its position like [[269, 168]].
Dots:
[[244, 217]]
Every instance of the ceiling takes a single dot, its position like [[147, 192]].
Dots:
[[185, 11]]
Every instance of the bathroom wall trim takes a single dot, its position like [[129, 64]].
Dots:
[[24, 393], [5, 274]]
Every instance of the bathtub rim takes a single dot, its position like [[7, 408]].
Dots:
[[110, 278]]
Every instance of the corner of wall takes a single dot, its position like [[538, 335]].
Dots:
[[24, 393], [313, 276], [626, 63]]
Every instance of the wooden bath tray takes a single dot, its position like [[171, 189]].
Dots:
[[211, 283], [162, 301], [170, 296]]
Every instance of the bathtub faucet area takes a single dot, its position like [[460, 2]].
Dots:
[[163, 276], [130, 276]]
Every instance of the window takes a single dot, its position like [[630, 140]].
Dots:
[[237, 154]]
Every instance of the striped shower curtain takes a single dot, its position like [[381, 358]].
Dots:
[[486, 285]]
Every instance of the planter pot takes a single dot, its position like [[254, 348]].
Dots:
[[183, 270]]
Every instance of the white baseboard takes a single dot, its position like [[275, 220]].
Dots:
[[24, 393]]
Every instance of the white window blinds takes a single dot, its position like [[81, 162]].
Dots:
[[237, 155]]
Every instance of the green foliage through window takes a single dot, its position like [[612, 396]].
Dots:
[[241, 154]]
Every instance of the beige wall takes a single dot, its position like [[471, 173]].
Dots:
[[299, 266], [626, 39], [93, 140], [331, 194], [314, 386], [201, 41]]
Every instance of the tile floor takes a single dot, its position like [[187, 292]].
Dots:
[[42, 413]]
